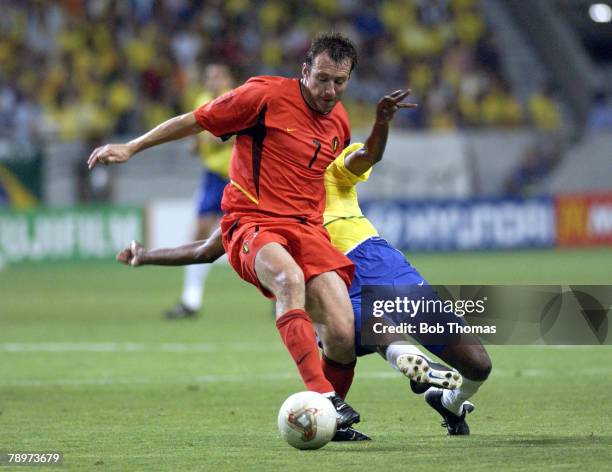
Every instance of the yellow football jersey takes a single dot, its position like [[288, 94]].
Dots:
[[215, 154], [343, 218]]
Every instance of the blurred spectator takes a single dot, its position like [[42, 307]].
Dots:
[[486, 53], [600, 118], [538, 160], [4, 198], [499, 107], [544, 110]]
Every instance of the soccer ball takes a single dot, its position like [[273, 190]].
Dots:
[[307, 420]]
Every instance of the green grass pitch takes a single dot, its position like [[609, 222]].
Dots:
[[89, 368]]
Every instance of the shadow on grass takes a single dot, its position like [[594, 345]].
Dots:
[[477, 441], [544, 440]]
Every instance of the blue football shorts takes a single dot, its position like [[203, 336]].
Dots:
[[379, 263], [210, 193]]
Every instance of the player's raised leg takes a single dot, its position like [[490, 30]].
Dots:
[[400, 352], [278, 272], [472, 360]]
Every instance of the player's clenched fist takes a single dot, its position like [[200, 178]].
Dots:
[[109, 154], [132, 255]]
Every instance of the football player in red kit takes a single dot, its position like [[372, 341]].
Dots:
[[287, 132]]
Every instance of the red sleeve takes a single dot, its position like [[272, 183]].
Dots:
[[234, 111]]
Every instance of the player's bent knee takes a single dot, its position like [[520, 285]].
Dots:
[[472, 361], [485, 367], [341, 340], [290, 280], [344, 340], [480, 367]]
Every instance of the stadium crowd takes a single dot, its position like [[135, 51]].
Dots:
[[99, 67]]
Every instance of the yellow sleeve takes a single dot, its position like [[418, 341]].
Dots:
[[338, 172]]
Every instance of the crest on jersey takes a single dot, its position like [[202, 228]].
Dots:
[[335, 143]]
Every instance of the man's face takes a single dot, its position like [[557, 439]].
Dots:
[[325, 81]]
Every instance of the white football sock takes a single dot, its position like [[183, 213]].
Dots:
[[397, 349], [453, 400], [193, 285]]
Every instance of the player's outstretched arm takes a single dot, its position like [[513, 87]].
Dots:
[[360, 161], [170, 130], [197, 252]]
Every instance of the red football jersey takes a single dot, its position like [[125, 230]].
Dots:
[[282, 147]]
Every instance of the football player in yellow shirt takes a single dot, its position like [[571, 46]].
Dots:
[[215, 156], [376, 263]]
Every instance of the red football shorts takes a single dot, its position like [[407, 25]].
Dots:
[[308, 244]]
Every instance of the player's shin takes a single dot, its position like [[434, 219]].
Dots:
[[453, 400], [298, 335], [472, 360], [340, 375]]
